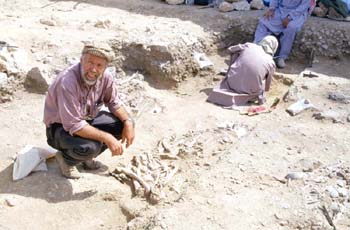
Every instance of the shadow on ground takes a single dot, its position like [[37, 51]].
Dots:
[[49, 185]]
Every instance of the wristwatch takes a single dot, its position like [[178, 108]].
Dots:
[[129, 119]]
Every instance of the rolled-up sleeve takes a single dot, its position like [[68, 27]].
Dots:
[[69, 109]]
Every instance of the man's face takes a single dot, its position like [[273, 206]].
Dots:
[[92, 67]]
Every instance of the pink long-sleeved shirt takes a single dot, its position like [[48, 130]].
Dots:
[[71, 102]]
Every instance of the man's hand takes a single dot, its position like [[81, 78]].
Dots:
[[285, 22], [128, 133], [269, 14], [114, 145], [93, 133]]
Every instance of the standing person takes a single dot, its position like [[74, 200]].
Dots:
[[284, 18], [249, 75], [75, 124]]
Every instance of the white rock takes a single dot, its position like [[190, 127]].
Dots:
[[332, 191], [226, 7], [299, 106], [257, 5], [48, 22], [240, 131], [327, 115], [295, 176], [341, 183], [202, 60], [11, 202], [334, 207], [241, 6], [343, 192], [20, 60], [105, 24], [175, 2], [3, 79]]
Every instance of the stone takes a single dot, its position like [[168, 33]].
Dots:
[[36, 81], [226, 7], [241, 6], [295, 176], [327, 115], [105, 24], [132, 207], [319, 12], [309, 165], [332, 192], [10, 202], [299, 106], [334, 207], [257, 5], [175, 2], [48, 22], [13, 60], [3, 79], [3, 65], [292, 94], [202, 60], [339, 97], [343, 192]]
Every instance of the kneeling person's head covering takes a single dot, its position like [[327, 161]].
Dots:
[[99, 49], [269, 44]]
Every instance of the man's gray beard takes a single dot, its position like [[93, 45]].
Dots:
[[89, 82]]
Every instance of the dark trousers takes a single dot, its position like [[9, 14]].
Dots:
[[76, 149]]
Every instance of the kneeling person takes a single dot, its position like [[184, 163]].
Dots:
[[75, 124], [249, 75]]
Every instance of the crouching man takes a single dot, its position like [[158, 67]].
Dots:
[[75, 124]]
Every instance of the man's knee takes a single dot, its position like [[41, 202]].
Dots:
[[291, 28], [87, 150]]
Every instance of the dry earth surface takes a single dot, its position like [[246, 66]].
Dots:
[[231, 167]]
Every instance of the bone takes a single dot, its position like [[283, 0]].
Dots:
[[170, 175], [134, 176], [138, 188]]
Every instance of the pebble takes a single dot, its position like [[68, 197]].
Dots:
[[332, 191], [343, 192], [10, 202], [341, 183], [334, 207], [163, 225], [295, 175], [285, 206]]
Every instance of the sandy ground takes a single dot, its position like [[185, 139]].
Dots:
[[228, 182]]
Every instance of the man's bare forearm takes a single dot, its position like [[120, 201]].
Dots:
[[122, 114], [93, 133]]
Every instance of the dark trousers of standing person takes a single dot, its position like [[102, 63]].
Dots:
[[76, 149]]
